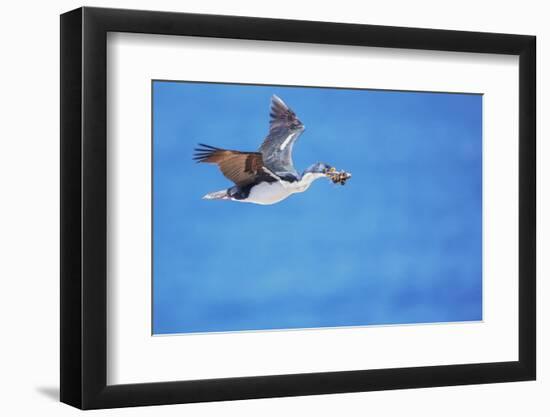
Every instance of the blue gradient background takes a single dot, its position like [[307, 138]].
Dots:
[[400, 243]]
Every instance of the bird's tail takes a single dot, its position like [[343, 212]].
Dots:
[[217, 195]]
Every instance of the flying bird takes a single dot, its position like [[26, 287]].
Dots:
[[267, 176]]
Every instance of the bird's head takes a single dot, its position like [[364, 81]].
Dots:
[[320, 169]]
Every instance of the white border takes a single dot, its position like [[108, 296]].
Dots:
[[135, 356]]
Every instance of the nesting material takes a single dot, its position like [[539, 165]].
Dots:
[[339, 177]]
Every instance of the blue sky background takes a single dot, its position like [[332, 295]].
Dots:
[[399, 243]]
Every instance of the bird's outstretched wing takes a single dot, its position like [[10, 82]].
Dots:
[[243, 168], [284, 129]]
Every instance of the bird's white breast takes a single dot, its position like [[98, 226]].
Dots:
[[271, 193]]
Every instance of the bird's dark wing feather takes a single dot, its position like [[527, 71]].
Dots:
[[243, 168], [284, 130]]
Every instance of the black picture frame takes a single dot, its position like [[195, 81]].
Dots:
[[84, 207]]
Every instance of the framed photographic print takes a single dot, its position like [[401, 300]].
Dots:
[[257, 208]]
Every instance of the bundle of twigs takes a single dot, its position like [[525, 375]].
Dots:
[[339, 177]]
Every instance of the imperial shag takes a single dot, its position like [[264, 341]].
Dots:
[[267, 176]]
